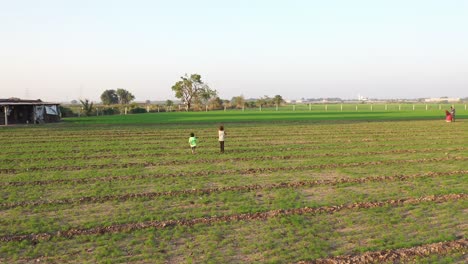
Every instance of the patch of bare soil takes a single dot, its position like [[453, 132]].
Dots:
[[397, 255]]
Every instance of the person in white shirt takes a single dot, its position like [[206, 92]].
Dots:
[[221, 134]]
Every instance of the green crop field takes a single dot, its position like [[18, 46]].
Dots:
[[366, 186]]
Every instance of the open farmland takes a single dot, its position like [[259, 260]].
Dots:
[[306, 191]]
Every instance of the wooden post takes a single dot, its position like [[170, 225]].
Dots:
[[125, 110], [385, 107], [260, 108], [224, 108], [341, 107], [426, 107], [310, 107], [243, 107], [440, 107], [147, 109], [294, 107], [326, 107], [206, 108], [413, 107], [371, 107], [5, 108], [356, 107], [399, 107], [276, 107]]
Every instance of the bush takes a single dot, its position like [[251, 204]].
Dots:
[[110, 111], [137, 110], [67, 112]]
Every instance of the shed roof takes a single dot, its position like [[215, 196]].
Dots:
[[17, 101]]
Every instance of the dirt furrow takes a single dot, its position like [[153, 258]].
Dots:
[[397, 255]]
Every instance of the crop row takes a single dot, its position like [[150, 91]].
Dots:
[[233, 137], [258, 216], [201, 161], [245, 188], [397, 255], [115, 146], [348, 128], [242, 171]]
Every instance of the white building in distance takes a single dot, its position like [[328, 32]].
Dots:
[[440, 99]]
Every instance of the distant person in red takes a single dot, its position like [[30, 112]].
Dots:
[[448, 116]]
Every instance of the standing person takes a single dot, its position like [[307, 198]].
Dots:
[[452, 112], [193, 143], [221, 134]]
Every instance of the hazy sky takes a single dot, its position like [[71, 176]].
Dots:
[[59, 50]]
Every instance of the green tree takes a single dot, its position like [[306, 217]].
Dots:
[[205, 95], [109, 97], [238, 101], [263, 101], [216, 103], [192, 89], [227, 104], [169, 104], [278, 100], [87, 107], [125, 97]]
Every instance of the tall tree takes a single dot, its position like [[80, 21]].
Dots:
[[109, 97], [263, 101], [169, 104], [238, 101], [191, 89], [125, 97], [205, 95], [278, 100], [216, 103]]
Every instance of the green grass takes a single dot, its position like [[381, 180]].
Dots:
[[115, 156], [270, 114]]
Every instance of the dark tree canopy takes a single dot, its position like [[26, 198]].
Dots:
[[109, 97], [278, 100], [87, 107], [125, 97]]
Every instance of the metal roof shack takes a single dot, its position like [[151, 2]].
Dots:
[[17, 111]]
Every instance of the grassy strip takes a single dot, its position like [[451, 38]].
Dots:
[[218, 160], [285, 239], [234, 138], [169, 152], [240, 171], [245, 188], [129, 227], [250, 170], [397, 255]]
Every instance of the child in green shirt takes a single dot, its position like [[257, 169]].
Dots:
[[193, 142]]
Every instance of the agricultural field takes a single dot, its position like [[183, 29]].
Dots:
[[338, 187]]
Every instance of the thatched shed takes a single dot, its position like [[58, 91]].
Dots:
[[17, 111]]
